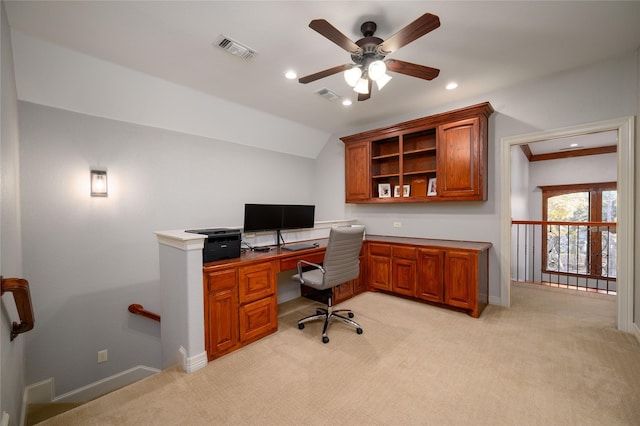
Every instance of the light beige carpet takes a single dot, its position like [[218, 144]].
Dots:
[[554, 358]]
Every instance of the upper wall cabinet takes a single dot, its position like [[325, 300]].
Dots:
[[442, 157]]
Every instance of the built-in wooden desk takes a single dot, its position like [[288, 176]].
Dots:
[[240, 295]]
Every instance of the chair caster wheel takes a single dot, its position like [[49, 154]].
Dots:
[[350, 314], [359, 330], [325, 339], [300, 326]]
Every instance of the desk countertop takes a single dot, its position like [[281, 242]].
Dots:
[[277, 253]]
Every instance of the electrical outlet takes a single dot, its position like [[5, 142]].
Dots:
[[102, 356], [397, 224]]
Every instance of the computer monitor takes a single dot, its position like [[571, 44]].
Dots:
[[275, 217]]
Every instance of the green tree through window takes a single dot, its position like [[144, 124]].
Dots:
[[580, 249]]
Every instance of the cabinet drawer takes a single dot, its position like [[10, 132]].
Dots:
[[379, 249], [258, 319], [403, 252], [219, 280], [257, 281]]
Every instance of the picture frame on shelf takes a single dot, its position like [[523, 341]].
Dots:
[[431, 187], [396, 190], [406, 190], [384, 190]]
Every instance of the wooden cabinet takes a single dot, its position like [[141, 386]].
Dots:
[[240, 295], [454, 277], [461, 157], [221, 311], [357, 169], [392, 268], [403, 270], [452, 274], [240, 306], [430, 285], [460, 277], [379, 266], [397, 163]]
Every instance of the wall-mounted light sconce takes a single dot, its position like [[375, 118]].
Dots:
[[99, 183]]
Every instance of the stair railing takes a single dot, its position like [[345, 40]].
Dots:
[[139, 310], [22, 297]]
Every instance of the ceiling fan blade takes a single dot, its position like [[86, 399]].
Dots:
[[322, 74], [364, 97], [414, 70], [421, 26], [327, 30]]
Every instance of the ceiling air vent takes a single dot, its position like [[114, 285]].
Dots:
[[235, 48], [327, 94]]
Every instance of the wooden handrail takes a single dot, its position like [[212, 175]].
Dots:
[[139, 310], [21, 295], [540, 222]]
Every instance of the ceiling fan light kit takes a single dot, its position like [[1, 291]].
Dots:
[[362, 86], [382, 81], [376, 70], [352, 75], [368, 54]]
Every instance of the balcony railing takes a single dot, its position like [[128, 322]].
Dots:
[[578, 255]]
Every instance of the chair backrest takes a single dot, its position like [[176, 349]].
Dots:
[[341, 259]]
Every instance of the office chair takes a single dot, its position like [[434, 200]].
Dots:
[[341, 264]]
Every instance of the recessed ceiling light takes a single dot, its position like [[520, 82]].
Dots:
[[451, 85], [346, 102], [291, 75]]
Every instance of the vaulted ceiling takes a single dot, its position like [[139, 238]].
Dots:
[[483, 46]]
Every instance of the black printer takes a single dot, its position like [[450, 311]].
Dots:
[[221, 243]]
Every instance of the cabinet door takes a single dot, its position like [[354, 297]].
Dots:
[[221, 312], [343, 292], [357, 184], [430, 284], [460, 154], [257, 319], [257, 281], [403, 270], [461, 278], [380, 272]]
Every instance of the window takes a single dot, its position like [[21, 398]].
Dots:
[[574, 248]]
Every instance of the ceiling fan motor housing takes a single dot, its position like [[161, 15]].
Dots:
[[369, 51]]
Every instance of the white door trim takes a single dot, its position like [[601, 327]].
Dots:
[[626, 209]]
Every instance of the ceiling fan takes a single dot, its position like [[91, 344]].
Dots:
[[368, 54]]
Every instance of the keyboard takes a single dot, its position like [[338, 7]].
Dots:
[[297, 247]]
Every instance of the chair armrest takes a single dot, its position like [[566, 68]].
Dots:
[[300, 262]]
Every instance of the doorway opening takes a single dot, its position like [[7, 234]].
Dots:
[[625, 225]]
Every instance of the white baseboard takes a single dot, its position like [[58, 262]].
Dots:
[[635, 330], [495, 300], [44, 391], [195, 363]]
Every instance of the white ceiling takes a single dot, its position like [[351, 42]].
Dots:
[[592, 140], [483, 46]]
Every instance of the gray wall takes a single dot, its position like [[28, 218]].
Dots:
[[598, 92], [89, 258], [11, 353]]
